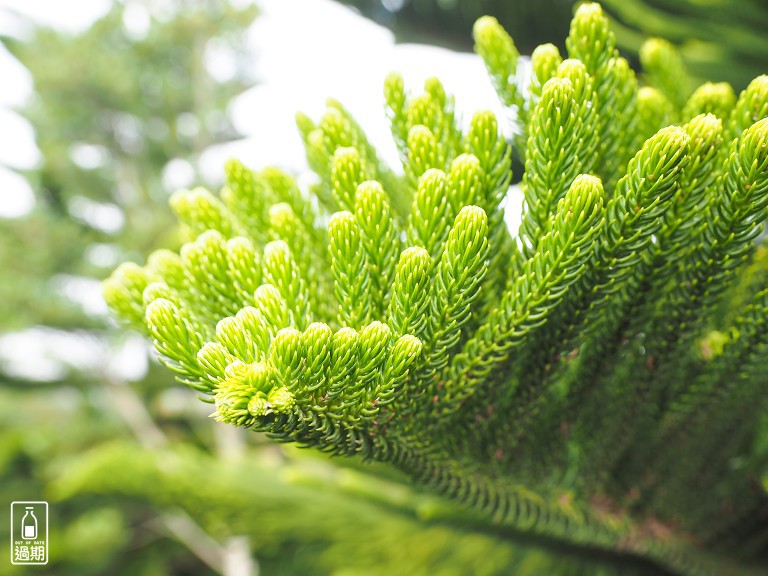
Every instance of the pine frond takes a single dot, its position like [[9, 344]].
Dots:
[[598, 379]]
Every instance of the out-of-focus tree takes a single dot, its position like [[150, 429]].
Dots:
[[121, 114], [116, 109]]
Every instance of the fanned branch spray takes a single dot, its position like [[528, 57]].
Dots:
[[572, 381]]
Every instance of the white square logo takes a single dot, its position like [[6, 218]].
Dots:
[[29, 533]]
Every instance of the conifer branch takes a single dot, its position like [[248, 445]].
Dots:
[[553, 383]]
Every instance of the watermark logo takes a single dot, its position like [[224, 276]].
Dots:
[[29, 532]]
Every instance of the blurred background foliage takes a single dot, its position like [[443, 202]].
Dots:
[[128, 108], [720, 40], [140, 481]]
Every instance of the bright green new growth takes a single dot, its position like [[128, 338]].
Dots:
[[553, 382]]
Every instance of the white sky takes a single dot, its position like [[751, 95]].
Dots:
[[72, 15]]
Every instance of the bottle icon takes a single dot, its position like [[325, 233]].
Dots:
[[29, 524]]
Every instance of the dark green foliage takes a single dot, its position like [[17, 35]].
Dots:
[[720, 40]]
